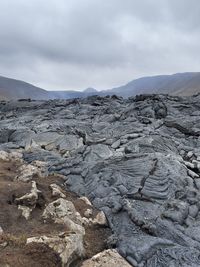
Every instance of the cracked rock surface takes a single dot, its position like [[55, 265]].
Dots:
[[137, 160]]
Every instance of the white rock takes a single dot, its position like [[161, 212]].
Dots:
[[26, 211], [28, 201], [107, 258], [88, 213], [63, 211], [32, 196], [189, 164], [193, 174], [132, 136], [190, 154], [1, 230], [31, 144], [118, 154], [4, 156], [100, 219], [27, 172], [11, 156], [57, 191], [68, 246], [120, 150]]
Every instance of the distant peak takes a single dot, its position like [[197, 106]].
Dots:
[[90, 90]]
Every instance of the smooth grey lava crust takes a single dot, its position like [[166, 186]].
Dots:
[[138, 160]]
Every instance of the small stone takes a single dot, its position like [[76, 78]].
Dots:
[[86, 200], [4, 156], [1, 230], [116, 144], [189, 164], [3, 245], [26, 211], [190, 154], [193, 174], [100, 219], [88, 213], [57, 191], [193, 211]]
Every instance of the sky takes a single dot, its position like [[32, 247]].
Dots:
[[75, 44]]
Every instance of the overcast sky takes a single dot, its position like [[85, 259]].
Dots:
[[75, 44]]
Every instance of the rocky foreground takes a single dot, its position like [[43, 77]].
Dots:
[[100, 181]]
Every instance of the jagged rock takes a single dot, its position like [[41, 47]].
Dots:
[[10, 156], [116, 144], [107, 258], [63, 211], [4, 156], [26, 211], [28, 202], [86, 200], [88, 213], [27, 173], [98, 152], [57, 191], [193, 174], [68, 246], [100, 219]]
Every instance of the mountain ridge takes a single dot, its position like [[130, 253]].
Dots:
[[184, 84]]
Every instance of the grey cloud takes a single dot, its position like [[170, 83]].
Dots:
[[79, 43]]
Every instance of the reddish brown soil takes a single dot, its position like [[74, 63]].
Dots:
[[13, 248], [32, 255]]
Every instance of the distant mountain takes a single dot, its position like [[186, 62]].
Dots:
[[90, 91], [73, 94], [176, 84], [15, 89], [64, 94]]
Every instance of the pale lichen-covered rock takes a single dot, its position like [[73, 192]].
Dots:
[[63, 211], [57, 191], [31, 144], [4, 156], [28, 202], [10, 156], [100, 219], [26, 211], [88, 213], [41, 166], [107, 258], [69, 246], [27, 173]]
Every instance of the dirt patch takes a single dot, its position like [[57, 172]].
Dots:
[[31, 255], [13, 248]]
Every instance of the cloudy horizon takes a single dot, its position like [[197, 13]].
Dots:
[[75, 44]]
